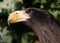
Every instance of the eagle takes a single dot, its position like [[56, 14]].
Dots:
[[40, 21]]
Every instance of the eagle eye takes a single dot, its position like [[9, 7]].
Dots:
[[16, 12]]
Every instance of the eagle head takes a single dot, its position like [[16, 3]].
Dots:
[[18, 16]]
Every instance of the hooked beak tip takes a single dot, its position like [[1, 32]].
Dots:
[[8, 22]]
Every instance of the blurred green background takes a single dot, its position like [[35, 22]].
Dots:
[[8, 6]]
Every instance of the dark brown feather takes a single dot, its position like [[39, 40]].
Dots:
[[44, 24]]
